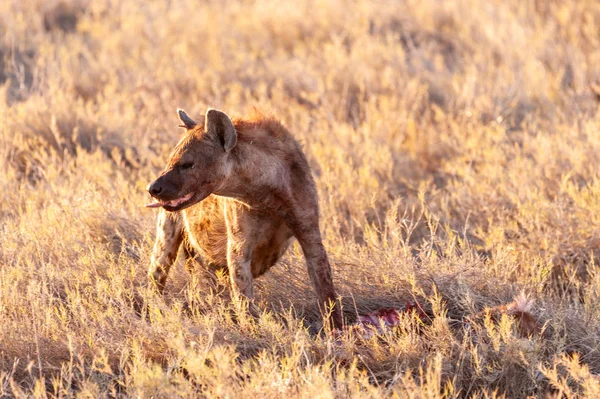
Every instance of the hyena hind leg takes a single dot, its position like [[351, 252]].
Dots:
[[193, 262]]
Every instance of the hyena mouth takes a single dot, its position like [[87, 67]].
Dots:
[[172, 203]]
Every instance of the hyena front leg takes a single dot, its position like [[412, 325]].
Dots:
[[169, 235], [240, 247]]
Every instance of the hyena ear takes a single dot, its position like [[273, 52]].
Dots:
[[188, 122], [218, 124]]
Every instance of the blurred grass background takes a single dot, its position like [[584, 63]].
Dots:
[[455, 145]]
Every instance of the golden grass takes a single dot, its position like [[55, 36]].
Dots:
[[455, 144]]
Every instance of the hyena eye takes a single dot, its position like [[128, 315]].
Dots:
[[186, 165]]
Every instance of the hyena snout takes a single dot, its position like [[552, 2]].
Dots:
[[154, 188], [162, 189]]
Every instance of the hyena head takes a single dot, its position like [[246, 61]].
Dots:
[[198, 165]]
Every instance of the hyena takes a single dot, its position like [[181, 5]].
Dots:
[[236, 193]]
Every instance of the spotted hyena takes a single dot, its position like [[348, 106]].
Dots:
[[236, 193]]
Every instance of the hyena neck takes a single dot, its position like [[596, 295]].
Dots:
[[253, 196], [254, 178]]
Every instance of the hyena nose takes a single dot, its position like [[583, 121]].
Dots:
[[154, 188]]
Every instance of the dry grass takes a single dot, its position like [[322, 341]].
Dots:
[[456, 147]]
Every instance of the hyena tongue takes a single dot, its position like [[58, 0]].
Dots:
[[154, 205]]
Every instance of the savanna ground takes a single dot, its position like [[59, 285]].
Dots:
[[456, 149]]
